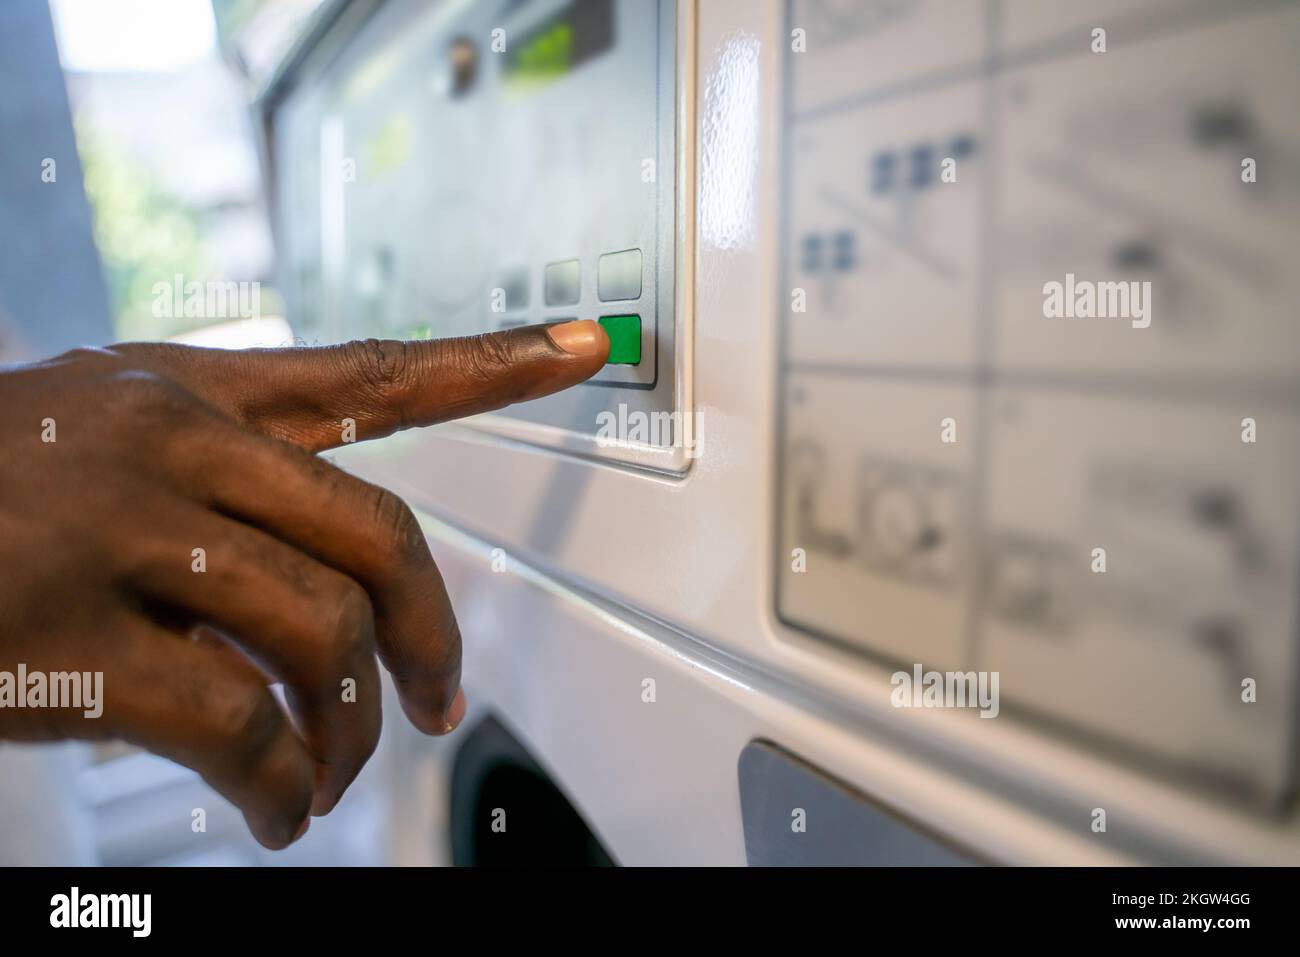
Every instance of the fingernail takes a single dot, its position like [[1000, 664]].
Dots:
[[456, 713], [581, 338]]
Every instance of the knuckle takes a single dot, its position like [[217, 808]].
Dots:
[[141, 392], [484, 357], [89, 356], [351, 635], [380, 363], [400, 535]]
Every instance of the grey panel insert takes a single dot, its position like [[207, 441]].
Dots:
[[842, 828]]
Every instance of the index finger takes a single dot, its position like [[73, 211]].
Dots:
[[303, 394]]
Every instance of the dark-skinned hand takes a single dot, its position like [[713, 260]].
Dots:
[[308, 572]]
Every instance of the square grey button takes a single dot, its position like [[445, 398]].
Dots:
[[618, 276], [514, 284], [563, 283]]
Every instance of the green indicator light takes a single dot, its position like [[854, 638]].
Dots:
[[546, 56], [624, 339]]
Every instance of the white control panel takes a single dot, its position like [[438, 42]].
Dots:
[[455, 169]]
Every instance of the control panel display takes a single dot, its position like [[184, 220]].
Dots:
[[452, 169], [563, 42]]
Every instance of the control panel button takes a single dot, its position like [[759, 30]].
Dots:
[[563, 283], [618, 276], [513, 284], [624, 339]]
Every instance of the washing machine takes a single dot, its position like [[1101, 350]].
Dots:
[[857, 552]]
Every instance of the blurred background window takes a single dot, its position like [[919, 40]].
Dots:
[[160, 91]]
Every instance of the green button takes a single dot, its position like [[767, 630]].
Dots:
[[624, 339]]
